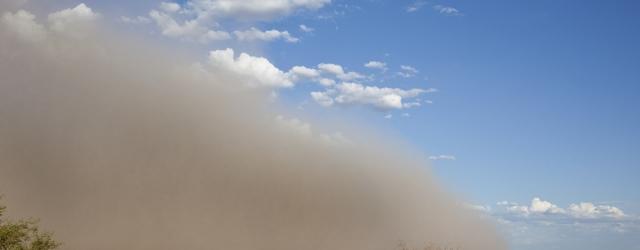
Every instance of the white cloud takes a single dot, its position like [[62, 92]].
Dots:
[[412, 104], [305, 28], [323, 98], [24, 25], [331, 68], [590, 210], [339, 72], [580, 218], [537, 206], [254, 34], [73, 22], [417, 5], [252, 9], [190, 30], [135, 20], [169, 7], [194, 19], [582, 210], [326, 82], [301, 71], [357, 94], [447, 10], [407, 71], [545, 222], [72, 19], [540, 206], [254, 71], [298, 73], [376, 65], [442, 157]]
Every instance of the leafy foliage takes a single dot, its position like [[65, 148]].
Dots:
[[23, 235]]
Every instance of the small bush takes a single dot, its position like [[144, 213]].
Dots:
[[23, 235]]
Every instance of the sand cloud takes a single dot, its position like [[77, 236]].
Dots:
[[116, 143]]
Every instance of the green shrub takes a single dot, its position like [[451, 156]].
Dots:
[[23, 235]]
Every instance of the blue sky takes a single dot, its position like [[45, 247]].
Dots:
[[518, 100], [535, 98]]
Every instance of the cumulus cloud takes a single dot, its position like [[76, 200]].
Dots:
[[254, 34], [298, 72], [376, 65], [190, 30], [253, 71], [301, 73], [540, 216], [326, 82], [71, 22], [194, 19], [537, 206], [323, 98], [169, 7], [442, 157], [447, 10], [253, 9], [541, 209], [24, 25], [72, 19], [258, 71], [348, 93], [339, 72], [135, 20], [590, 210]]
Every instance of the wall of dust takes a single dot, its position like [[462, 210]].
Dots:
[[115, 144]]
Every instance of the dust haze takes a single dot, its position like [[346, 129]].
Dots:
[[118, 143]]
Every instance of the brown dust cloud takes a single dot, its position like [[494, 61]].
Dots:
[[116, 142]]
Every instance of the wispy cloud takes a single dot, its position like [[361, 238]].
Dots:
[[254, 34], [447, 10], [442, 157], [415, 6], [195, 20], [305, 28], [376, 65], [407, 71]]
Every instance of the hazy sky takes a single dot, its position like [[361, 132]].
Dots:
[[528, 109]]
